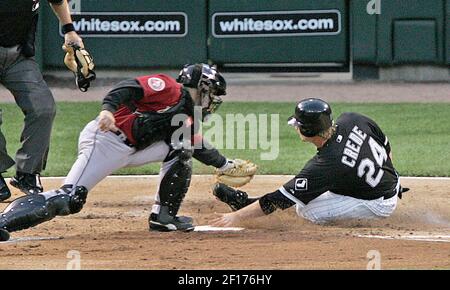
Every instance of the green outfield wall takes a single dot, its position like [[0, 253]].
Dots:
[[290, 34]]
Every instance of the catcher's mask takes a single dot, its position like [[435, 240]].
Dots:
[[312, 116], [209, 82]]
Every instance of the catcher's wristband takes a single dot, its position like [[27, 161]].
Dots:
[[66, 28]]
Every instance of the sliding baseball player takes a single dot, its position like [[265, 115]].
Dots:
[[350, 177]]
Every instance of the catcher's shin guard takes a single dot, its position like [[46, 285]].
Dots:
[[235, 199], [29, 211], [172, 191]]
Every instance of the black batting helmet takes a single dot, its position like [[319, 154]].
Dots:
[[312, 116]]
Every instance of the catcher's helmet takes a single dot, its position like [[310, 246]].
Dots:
[[210, 83], [312, 116]]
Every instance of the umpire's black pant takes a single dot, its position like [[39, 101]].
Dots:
[[21, 76]]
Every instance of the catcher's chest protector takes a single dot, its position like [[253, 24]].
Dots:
[[150, 127]]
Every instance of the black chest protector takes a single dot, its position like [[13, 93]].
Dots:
[[152, 127]]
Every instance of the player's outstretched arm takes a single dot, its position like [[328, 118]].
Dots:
[[232, 172], [235, 218], [245, 207], [206, 153]]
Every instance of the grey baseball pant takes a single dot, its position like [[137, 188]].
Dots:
[[21, 76], [102, 153]]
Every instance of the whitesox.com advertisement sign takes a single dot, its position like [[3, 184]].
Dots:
[[130, 24], [276, 23]]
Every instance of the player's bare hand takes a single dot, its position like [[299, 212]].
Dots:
[[226, 220], [106, 121], [72, 38]]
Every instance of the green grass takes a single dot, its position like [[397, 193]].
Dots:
[[419, 134]]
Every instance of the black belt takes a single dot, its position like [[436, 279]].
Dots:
[[390, 195], [400, 192], [124, 138]]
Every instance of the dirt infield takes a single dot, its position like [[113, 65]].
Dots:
[[111, 233]]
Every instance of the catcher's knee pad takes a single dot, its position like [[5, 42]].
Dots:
[[176, 181], [29, 211], [78, 199], [67, 203]]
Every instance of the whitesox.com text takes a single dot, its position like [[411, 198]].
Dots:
[[250, 24], [98, 25]]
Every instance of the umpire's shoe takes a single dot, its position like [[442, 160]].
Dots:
[[4, 190], [27, 183], [235, 199], [164, 222], [5, 193]]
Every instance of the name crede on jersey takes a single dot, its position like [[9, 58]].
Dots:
[[352, 149]]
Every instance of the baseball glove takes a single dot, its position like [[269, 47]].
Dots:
[[235, 199], [236, 173], [81, 63]]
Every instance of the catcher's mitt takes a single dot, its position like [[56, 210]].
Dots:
[[237, 174], [81, 63]]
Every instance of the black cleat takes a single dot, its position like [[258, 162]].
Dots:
[[27, 183], [4, 235], [235, 199], [163, 222], [5, 193]]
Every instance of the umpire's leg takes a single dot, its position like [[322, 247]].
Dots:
[[33, 96], [5, 161]]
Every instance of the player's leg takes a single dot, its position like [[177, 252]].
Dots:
[[157, 152], [99, 155], [330, 207], [5, 163], [31, 210], [32, 95], [175, 178], [5, 160]]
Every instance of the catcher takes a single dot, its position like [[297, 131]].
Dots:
[[350, 177], [135, 128]]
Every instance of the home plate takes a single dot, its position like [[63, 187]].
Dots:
[[420, 238], [216, 229], [30, 239]]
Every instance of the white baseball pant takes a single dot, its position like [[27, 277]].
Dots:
[[329, 207]]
